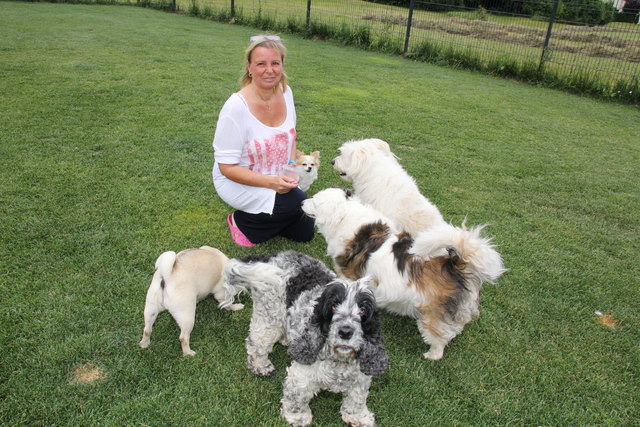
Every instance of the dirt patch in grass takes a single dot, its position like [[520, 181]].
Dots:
[[607, 320], [87, 373]]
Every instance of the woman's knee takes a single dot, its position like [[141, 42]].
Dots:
[[301, 231], [304, 238]]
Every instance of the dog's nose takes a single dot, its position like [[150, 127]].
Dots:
[[333, 162], [345, 332]]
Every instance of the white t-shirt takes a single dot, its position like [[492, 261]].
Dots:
[[242, 139]]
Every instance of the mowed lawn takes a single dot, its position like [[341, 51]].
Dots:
[[106, 119]]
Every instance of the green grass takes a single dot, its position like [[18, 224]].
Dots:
[[599, 61], [105, 157], [602, 59]]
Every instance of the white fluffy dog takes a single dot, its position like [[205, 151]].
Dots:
[[330, 326], [379, 180], [435, 278], [179, 282]]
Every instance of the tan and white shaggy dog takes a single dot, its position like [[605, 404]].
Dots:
[[179, 282], [379, 180], [435, 278]]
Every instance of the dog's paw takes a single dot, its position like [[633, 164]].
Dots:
[[363, 420], [235, 307], [284, 341], [262, 371], [297, 418], [434, 354], [188, 353], [144, 343]]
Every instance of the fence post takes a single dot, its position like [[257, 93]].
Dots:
[[233, 9], [552, 19], [409, 18], [174, 6], [308, 13]]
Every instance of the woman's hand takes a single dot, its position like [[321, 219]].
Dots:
[[280, 184], [283, 184]]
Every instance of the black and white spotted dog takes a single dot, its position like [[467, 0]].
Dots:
[[330, 326]]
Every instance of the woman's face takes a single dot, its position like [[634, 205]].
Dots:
[[265, 67]]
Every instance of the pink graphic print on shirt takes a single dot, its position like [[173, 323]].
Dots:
[[269, 155]]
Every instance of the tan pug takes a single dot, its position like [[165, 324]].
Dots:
[[179, 282]]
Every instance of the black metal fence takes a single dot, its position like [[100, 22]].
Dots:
[[579, 39]]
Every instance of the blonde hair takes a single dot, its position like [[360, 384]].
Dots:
[[270, 44]]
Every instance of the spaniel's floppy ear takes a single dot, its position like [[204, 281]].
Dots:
[[306, 348], [372, 356]]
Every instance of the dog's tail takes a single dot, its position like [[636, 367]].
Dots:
[[164, 266], [161, 276], [473, 255], [241, 275]]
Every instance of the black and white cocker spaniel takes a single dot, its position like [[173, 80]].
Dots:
[[330, 326]]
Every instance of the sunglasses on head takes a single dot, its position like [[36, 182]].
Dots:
[[263, 37]]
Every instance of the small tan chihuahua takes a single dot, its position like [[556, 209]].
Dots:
[[307, 165]]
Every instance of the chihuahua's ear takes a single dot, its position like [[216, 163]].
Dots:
[[299, 153], [316, 155]]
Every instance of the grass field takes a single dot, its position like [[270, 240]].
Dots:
[[609, 55], [107, 116]]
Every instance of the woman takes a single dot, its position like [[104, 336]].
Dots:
[[255, 139]]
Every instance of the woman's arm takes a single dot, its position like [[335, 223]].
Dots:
[[242, 175]]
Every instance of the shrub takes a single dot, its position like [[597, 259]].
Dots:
[[435, 6], [540, 8], [481, 14], [193, 10], [589, 12]]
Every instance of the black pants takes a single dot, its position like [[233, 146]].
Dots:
[[287, 220]]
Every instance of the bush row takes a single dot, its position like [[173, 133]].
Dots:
[[587, 12]]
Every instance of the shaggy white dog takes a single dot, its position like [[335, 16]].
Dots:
[[330, 325], [379, 180], [435, 278]]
